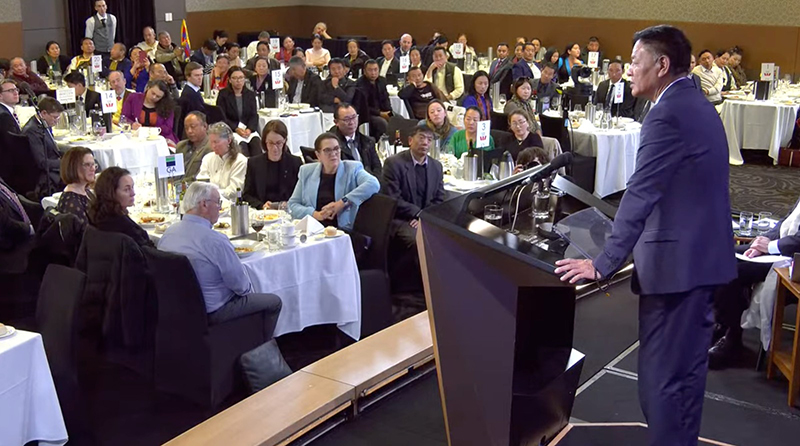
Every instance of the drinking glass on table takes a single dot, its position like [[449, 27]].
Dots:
[[764, 222], [745, 223], [257, 226], [493, 214], [274, 238], [502, 101], [124, 124]]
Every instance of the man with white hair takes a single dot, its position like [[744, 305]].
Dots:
[[406, 42], [21, 73], [226, 288]]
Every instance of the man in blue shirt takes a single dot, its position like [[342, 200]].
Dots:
[[227, 290]]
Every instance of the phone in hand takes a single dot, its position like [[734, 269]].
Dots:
[[142, 56]]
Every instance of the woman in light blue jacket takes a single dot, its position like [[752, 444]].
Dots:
[[331, 190]]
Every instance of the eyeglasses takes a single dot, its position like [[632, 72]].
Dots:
[[218, 203], [89, 165], [329, 152], [518, 123], [349, 119], [275, 144], [237, 78], [11, 90]]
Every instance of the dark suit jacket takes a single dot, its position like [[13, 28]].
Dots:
[[394, 69], [190, 101], [681, 239], [605, 96], [13, 229], [366, 150], [255, 189], [124, 225], [521, 69], [345, 92], [226, 101], [494, 65], [696, 80], [7, 123], [123, 65], [377, 96], [312, 89], [198, 57], [788, 245], [46, 156], [92, 101], [400, 183], [503, 75]]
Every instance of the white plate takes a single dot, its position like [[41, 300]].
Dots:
[[252, 244], [258, 215], [138, 221], [9, 331], [339, 233]]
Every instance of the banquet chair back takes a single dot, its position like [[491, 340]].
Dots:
[[362, 107], [374, 220], [309, 155], [60, 236], [554, 128], [193, 359], [56, 318], [376, 301], [499, 121], [502, 139], [18, 167], [177, 121], [404, 125]]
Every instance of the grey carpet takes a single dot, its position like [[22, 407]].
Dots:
[[757, 188]]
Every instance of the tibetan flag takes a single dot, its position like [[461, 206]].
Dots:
[[187, 46]]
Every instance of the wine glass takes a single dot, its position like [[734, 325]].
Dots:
[[124, 124], [257, 226]]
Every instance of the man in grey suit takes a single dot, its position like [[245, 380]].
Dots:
[[682, 240]]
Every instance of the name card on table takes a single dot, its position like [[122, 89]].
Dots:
[[277, 79], [97, 64], [767, 71], [109, 99], [65, 95], [274, 44], [458, 50], [405, 64], [484, 132], [594, 58], [170, 166], [619, 92]]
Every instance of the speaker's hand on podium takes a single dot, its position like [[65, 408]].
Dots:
[[576, 269]]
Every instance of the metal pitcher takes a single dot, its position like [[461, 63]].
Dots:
[[470, 167], [162, 194], [506, 165], [240, 219], [590, 112]]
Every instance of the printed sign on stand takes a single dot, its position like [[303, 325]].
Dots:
[[274, 44], [277, 79], [109, 100], [97, 64], [619, 92], [484, 133], [457, 50], [65, 95], [767, 71], [405, 64], [170, 166], [594, 58]]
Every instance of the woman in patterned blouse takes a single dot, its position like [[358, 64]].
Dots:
[[77, 172]]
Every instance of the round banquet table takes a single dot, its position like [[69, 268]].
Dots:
[[303, 127], [398, 106], [139, 156], [764, 125], [615, 151]]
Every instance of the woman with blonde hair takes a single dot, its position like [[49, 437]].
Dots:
[[226, 166]]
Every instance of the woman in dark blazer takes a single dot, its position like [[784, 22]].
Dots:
[[108, 212], [238, 106], [261, 82], [271, 176], [52, 60]]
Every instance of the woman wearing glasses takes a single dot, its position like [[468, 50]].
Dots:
[[272, 176], [332, 190], [77, 172], [239, 108], [520, 125], [463, 140], [225, 167], [521, 100], [108, 212]]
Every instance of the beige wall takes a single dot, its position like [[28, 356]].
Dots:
[[11, 11], [221, 5]]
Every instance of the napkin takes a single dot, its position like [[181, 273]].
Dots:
[[586, 125], [309, 225]]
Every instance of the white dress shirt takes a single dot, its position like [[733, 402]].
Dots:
[[227, 176], [385, 67], [788, 227]]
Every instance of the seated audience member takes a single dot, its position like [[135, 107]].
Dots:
[[43, 147], [734, 298], [356, 57], [531, 157], [287, 51], [85, 57], [438, 41], [419, 93], [570, 59], [545, 88], [501, 60], [149, 44], [331, 190], [272, 176], [553, 56], [735, 64], [464, 140], [592, 46], [21, 73], [526, 67], [519, 49], [479, 95], [225, 167], [108, 211], [520, 125], [252, 48], [52, 60], [191, 97], [140, 68], [605, 92], [721, 61], [445, 75], [337, 88], [305, 87], [117, 61], [521, 100], [415, 57], [171, 55], [695, 78], [15, 225], [501, 68], [116, 83], [9, 97], [196, 145], [78, 173], [90, 99], [219, 74], [436, 120], [462, 39], [299, 52], [234, 51], [373, 89], [353, 144], [416, 181], [317, 56], [538, 50], [404, 47], [153, 108], [227, 291], [389, 66], [158, 72], [239, 108], [321, 29], [220, 37], [711, 77], [205, 55], [262, 50], [261, 82]]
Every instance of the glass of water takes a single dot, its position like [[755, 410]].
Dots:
[[764, 222], [493, 214], [745, 223], [274, 238]]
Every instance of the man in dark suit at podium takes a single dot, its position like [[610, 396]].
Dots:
[[682, 240]]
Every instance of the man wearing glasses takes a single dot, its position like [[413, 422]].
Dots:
[[355, 145], [9, 97], [102, 29], [226, 288]]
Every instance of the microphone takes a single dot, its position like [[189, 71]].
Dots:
[[29, 91], [558, 162]]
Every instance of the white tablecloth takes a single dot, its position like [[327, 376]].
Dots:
[[399, 106], [303, 128], [317, 282], [137, 155], [616, 156], [29, 407], [762, 125]]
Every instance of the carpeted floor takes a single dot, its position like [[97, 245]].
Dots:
[[758, 188]]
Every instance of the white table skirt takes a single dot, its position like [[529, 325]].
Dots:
[[757, 125], [303, 128], [615, 151], [317, 282], [29, 408], [137, 155], [399, 106]]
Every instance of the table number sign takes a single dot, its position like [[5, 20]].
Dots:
[[109, 100], [484, 130], [405, 64], [767, 71], [594, 58], [65, 96], [170, 166], [277, 79], [619, 92], [97, 64], [274, 44], [458, 50]]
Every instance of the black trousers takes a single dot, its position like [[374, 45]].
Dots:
[[731, 300], [240, 306], [252, 148]]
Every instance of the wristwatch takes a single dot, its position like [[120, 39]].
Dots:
[[346, 202]]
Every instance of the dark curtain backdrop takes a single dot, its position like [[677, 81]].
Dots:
[[132, 16]]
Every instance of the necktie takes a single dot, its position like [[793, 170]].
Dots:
[[351, 144], [15, 201], [103, 21]]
